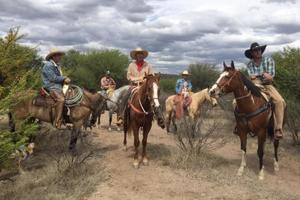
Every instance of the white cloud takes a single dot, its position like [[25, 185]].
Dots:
[[175, 32]]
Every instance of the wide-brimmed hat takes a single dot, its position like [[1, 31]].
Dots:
[[185, 73], [53, 52], [138, 50], [254, 46]]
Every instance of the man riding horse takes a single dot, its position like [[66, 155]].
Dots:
[[183, 89], [261, 70], [107, 84], [53, 81]]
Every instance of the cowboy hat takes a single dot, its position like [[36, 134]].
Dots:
[[138, 50], [53, 52], [185, 73], [254, 46]]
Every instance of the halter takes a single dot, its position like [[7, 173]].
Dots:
[[228, 82]]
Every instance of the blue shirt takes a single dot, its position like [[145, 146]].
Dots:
[[51, 76], [180, 84], [267, 65]]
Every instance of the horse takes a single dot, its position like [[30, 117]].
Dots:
[[112, 104], [253, 113], [25, 109], [194, 109], [142, 106]]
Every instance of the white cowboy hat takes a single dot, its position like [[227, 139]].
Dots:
[[185, 73], [138, 50], [53, 52]]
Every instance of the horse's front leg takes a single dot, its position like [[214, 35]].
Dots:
[[146, 130], [98, 120], [73, 141], [136, 146], [169, 117], [276, 145], [110, 119], [260, 152], [243, 139]]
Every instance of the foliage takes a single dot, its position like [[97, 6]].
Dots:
[[168, 84], [86, 69], [203, 75], [19, 74]]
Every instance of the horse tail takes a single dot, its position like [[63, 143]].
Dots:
[[127, 121], [11, 123]]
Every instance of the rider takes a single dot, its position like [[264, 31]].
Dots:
[[139, 68], [107, 84], [53, 81], [261, 70], [183, 89]]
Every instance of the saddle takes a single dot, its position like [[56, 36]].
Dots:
[[43, 99]]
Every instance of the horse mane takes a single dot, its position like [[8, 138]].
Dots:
[[251, 86]]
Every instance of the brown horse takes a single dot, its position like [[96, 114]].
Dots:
[[253, 113], [194, 109], [25, 109], [142, 106]]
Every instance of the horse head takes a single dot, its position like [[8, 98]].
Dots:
[[210, 99], [152, 93], [227, 82]]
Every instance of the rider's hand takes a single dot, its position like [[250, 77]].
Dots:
[[253, 77], [67, 81], [267, 76]]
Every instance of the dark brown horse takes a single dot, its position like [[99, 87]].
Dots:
[[25, 109], [143, 105], [253, 113]]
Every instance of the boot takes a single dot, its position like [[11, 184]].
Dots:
[[278, 134]]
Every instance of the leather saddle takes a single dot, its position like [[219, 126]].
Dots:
[[43, 99]]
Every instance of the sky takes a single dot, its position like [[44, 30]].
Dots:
[[175, 32]]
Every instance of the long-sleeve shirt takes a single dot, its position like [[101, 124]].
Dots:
[[267, 65], [134, 75], [52, 76], [181, 83]]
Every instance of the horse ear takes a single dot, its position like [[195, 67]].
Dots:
[[158, 76], [224, 65], [232, 64]]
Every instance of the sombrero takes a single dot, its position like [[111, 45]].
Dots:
[[254, 46], [138, 50], [53, 52], [185, 73]]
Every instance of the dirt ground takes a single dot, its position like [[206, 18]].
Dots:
[[109, 173]]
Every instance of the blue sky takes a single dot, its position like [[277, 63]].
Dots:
[[175, 32]]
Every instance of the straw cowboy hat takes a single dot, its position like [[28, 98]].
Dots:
[[53, 52], [185, 73], [254, 46], [138, 50]]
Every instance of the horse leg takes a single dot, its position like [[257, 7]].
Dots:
[[98, 121], [260, 152], [276, 165], [174, 122], [136, 147], [169, 115], [144, 142], [243, 139], [73, 141], [110, 120]]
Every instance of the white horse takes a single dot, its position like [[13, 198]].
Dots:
[[112, 105], [194, 109]]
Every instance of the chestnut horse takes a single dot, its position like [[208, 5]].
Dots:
[[25, 109], [142, 106], [194, 109], [253, 113]]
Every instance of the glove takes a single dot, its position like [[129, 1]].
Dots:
[[67, 80]]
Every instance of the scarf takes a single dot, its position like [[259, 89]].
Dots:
[[140, 65]]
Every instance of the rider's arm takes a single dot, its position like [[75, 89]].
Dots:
[[178, 86], [48, 71], [270, 66], [251, 71], [150, 69], [190, 86]]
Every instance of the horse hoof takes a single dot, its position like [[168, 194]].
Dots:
[[125, 148], [118, 129], [136, 164], [109, 129], [261, 175], [240, 171], [145, 161]]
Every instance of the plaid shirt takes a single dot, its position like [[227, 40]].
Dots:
[[267, 65]]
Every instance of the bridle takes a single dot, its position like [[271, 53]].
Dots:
[[227, 83]]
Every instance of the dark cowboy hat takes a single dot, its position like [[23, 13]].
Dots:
[[254, 46]]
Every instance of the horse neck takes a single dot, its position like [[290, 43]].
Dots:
[[142, 94], [92, 98], [246, 104], [200, 96]]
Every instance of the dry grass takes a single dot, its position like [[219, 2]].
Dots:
[[53, 173]]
